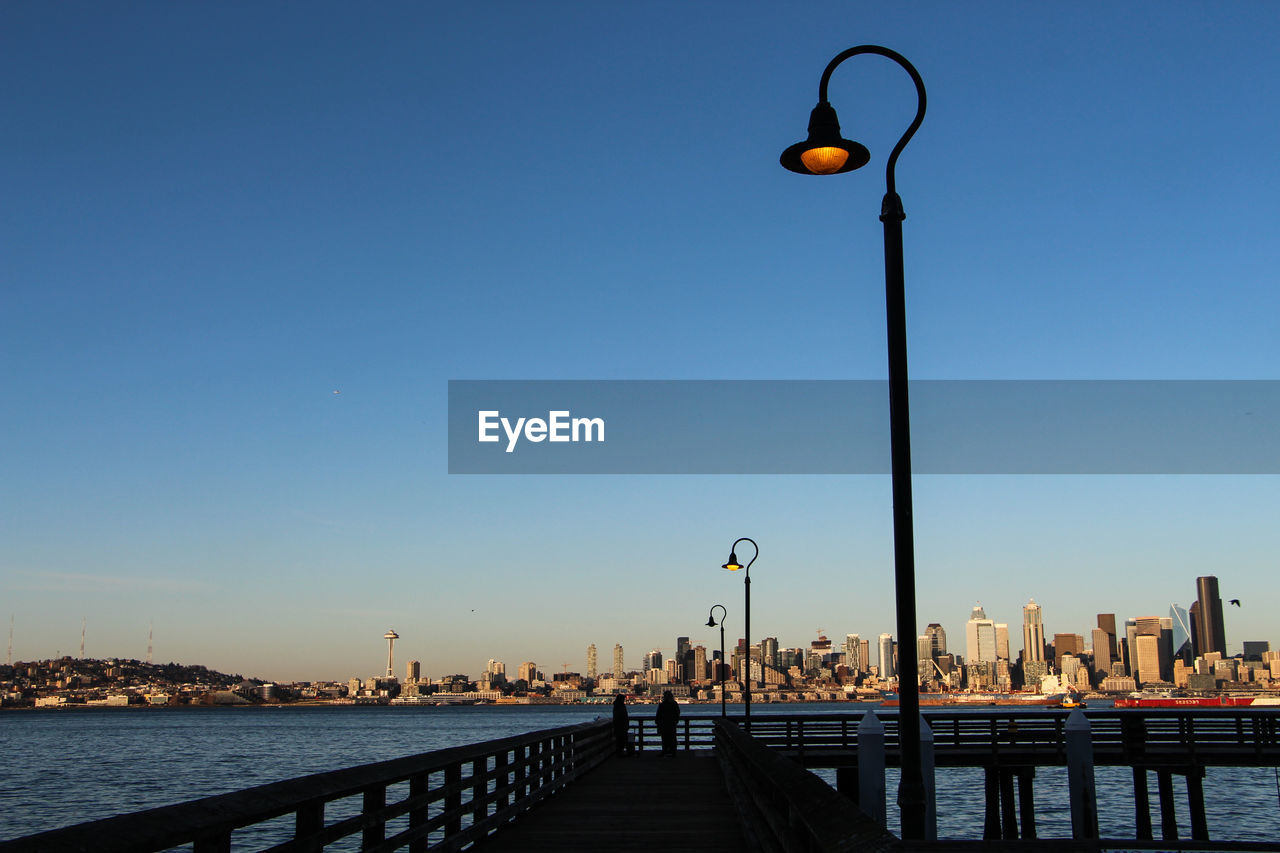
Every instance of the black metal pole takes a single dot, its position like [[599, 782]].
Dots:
[[720, 666], [911, 794], [746, 681]]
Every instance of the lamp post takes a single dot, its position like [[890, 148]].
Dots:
[[733, 565], [711, 623], [825, 152]]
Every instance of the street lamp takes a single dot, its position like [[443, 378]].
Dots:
[[733, 565], [711, 623], [826, 152]]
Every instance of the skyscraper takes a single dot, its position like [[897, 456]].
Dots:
[[1107, 622], [413, 671], [980, 637], [1181, 639], [591, 661], [1211, 633], [1032, 633], [699, 664], [887, 669], [853, 654], [1101, 651], [618, 669], [1002, 641], [938, 639]]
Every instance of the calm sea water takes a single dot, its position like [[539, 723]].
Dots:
[[65, 766]]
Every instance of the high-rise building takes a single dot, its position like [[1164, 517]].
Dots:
[[653, 660], [618, 668], [887, 669], [699, 664], [1211, 635], [1181, 637], [528, 672], [924, 656], [1002, 641], [770, 646], [937, 638], [1107, 622], [1032, 633], [853, 654], [1101, 651], [980, 637], [413, 671], [1066, 644], [591, 662]]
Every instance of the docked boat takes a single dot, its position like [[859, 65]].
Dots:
[[1142, 701]]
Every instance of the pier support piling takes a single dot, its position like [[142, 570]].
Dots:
[[1026, 800], [1195, 803], [1168, 819], [1141, 805], [991, 821], [1008, 813]]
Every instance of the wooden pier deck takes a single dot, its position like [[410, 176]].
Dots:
[[641, 802]]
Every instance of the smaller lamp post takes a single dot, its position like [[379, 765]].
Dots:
[[733, 565], [711, 623]]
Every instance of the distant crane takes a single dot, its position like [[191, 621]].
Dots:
[[150, 631]]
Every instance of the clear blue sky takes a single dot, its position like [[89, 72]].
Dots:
[[217, 215]]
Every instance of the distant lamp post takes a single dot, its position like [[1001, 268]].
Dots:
[[733, 565], [826, 152], [711, 623]]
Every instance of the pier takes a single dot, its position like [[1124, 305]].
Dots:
[[735, 785]]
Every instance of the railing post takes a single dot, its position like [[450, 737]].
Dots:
[[871, 767], [307, 821], [502, 775], [418, 787], [375, 799], [479, 789], [1084, 796], [453, 799], [927, 771], [521, 771]]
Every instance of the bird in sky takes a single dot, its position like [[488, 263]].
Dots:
[[1234, 601]]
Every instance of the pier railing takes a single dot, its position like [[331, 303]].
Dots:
[[437, 801]]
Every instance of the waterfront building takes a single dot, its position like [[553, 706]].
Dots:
[[887, 669], [592, 671], [618, 669], [980, 638], [413, 671], [1210, 635], [1032, 633]]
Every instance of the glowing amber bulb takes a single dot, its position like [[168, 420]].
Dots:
[[824, 161]]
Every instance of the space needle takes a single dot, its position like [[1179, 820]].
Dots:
[[391, 636]]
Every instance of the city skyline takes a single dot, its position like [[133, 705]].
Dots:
[[244, 260]]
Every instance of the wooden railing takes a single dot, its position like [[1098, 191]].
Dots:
[[441, 800], [785, 807]]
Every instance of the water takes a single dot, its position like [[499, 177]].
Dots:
[[65, 766]]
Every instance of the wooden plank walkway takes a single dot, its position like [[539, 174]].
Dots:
[[641, 802]]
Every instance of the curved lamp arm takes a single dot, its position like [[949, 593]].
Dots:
[[711, 622], [733, 565], [890, 183]]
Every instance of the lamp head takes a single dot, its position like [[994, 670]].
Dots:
[[825, 152], [711, 622], [733, 565]]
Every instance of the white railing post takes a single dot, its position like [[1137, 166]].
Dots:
[[871, 767], [1084, 796]]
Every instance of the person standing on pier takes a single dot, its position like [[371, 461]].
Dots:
[[668, 714], [620, 725]]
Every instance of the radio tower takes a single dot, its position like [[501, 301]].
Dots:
[[391, 636], [10, 639], [150, 631], [83, 623]]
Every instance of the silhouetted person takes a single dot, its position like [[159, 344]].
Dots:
[[620, 725], [668, 714]]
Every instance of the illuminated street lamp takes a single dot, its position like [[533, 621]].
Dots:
[[733, 565], [711, 623], [826, 152]]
